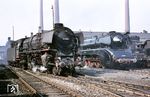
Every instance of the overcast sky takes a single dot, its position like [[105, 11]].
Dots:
[[87, 15]]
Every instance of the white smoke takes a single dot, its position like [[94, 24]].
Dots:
[[42, 68], [39, 68], [34, 69]]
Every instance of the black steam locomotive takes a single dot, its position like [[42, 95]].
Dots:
[[146, 47], [53, 51], [142, 53], [107, 51]]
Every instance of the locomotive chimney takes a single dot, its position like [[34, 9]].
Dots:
[[9, 38], [56, 11], [58, 25], [31, 34], [127, 17], [41, 16]]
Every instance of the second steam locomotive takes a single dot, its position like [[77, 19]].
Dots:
[[54, 51], [108, 51]]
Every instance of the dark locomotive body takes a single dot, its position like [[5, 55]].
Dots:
[[58, 48], [142, 53], [147, 52], [108, 51]]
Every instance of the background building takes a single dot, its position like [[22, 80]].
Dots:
[[3, 51], [89, 34]]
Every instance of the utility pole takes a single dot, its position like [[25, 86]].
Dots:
[[56, 11], [53, 15], [13, 32], [127, 17], [41, 28]]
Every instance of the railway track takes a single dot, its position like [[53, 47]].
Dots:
[[82, 87], [115, 88], [121, 88], [140, 90], [125, 85], [91, 87], [141, 71], [9, 81], [118, 89], [42, 88], [69, 85]]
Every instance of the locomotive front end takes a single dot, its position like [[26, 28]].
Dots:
[[65, 42], [124, 56]]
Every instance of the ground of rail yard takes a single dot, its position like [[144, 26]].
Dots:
[[90, 83], [135, 76]]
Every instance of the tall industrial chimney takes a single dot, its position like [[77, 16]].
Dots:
[[41, 16], [56, 11], [127, 17]]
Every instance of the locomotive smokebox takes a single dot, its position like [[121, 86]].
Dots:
[[58, 25]]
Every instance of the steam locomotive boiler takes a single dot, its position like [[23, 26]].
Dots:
[[107, 51], [55, 50]]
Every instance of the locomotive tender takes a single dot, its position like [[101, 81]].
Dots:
[[55, 50], [108, 51]]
